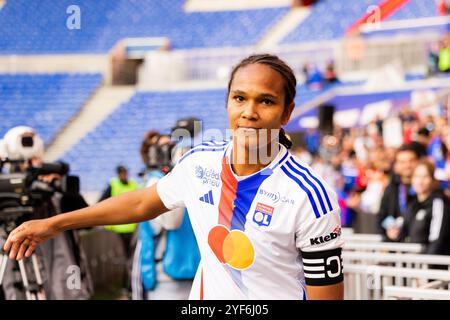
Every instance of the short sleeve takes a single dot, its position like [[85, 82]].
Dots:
[[320, 244], [321, 233], [172, 187]]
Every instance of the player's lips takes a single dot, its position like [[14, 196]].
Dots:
[[248, 128]]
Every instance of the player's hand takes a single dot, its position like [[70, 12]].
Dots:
[[24, 239]]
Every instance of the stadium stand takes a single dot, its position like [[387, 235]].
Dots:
[[334, 21], [45, 102], [103, 23], [414, 9], [336, 17]]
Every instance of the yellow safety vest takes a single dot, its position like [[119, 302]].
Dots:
[[117, 188], [444, 59]]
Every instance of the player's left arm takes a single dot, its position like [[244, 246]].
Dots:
[[318, 239], [329, 292], [323, 272], [319, 242]]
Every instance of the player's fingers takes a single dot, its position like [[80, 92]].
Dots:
[[30, 249], [7, 245], [17, 235], [14, 249], [22, 249], [10, 240]]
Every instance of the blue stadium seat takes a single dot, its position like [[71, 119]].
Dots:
[[334, 17], [328, 20], [45, 102], [42, 27], [415, 9]]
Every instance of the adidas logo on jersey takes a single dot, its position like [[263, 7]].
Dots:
[[207, 197]]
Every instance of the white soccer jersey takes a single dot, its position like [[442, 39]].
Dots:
[[262, 236]]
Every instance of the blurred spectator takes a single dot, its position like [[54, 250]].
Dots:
[[407, 115], [313, 77], [371, 196], [305, 72], [433, 59], [428, 216], [398, 194], [329, 147], [444, 55], [362, 145], [379, 124], [312, 140], [421, 142], [330, 74], [331, 170], [438, 153], [303, 154], [365, 198], [117, 186], [350, 171]]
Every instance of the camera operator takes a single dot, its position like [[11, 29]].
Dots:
[[62, 263], [166, 256]]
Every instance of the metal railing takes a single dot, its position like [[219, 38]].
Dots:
[[384, 246], [388, 270], [368, 282], [409, 260], [362, 237], [394, 292]]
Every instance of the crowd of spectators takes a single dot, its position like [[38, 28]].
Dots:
[[374, 180]]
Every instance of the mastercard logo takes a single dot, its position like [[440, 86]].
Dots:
[[231, 247]]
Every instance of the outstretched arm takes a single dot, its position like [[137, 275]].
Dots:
[[130, 207]]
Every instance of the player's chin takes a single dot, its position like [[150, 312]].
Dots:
[[246, 141], [252, 143]]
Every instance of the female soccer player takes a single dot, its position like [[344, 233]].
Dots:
[[267, 227]]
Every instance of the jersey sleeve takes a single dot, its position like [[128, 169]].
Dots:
[[170, 220], [172, 188], [319, 242]]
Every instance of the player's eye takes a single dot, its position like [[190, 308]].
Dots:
[[239, 98], [267, 102]]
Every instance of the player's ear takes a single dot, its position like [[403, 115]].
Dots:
[[287, 113]]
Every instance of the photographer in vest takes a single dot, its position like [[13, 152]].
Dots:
[[117, 186]]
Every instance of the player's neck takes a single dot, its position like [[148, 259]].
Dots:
[[246, 161]]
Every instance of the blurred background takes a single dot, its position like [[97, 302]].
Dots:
[[93, 77]]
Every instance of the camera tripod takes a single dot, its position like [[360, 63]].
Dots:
[[33, 286], [34, 290]]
